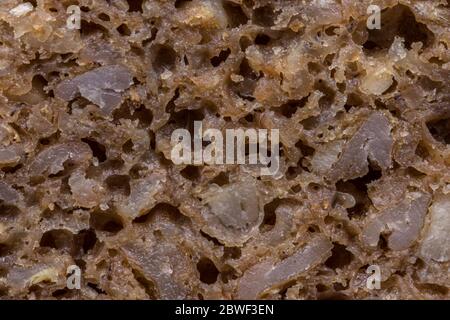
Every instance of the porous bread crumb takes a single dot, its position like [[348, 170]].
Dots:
[[86, 178]]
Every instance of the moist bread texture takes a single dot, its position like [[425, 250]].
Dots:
[[86, 177]]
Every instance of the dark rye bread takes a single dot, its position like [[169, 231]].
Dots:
[[86, 179]]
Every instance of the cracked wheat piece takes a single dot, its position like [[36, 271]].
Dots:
[[86, 179]]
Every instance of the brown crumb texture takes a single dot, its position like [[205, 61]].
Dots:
[[86, 178]]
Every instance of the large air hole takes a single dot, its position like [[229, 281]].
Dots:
[[8, 211], [222, 57], [164, 58], [119, 183], [106, 221], [353, 100], [124, 30], [135, 5], [340, 257], [4, 291], [96, 288], [215, 241], [314, 67], [290, 108], [422, 150], [90, 28], [186, 118], [429, 85], [433, 289], [235, 14], [136, 171], [262, 39], [440, 130], [98, 150], [306, 153], [61, 294], [270, 216], [244, 43], [39, 84], [180, 3], [127, 147], [310, 123], [191, 173], [358, 189], [148, 285], [207, 270], [221, 179], [12, 169], [264, 16], [144, 116], [245, 88], [161, 209], [5, 250], [68, 165], [3, 270], [85, 240], [129, 110], [228, 273], [329, 94], [104, 17], [57, 239], [398, 21]]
